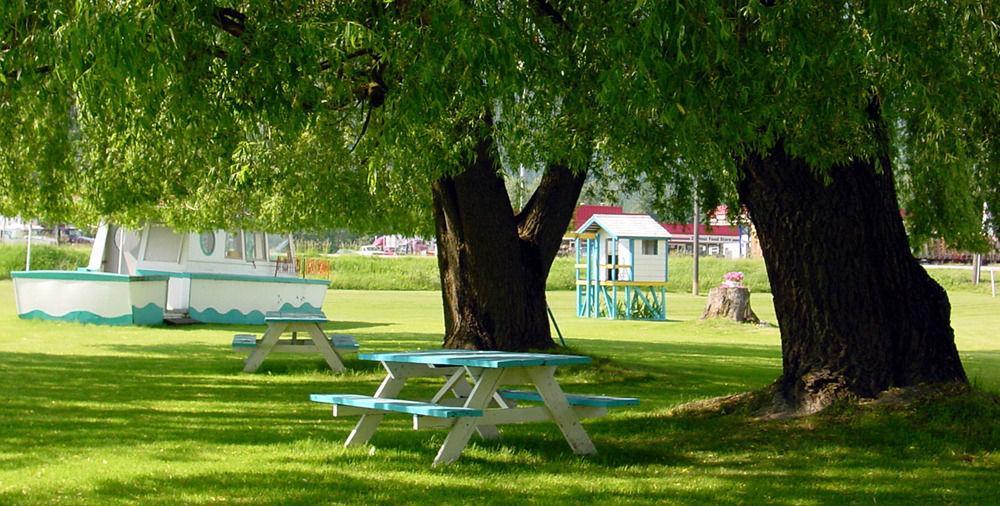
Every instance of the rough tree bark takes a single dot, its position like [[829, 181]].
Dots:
[[858, 314], [731, 303], [493, 263]]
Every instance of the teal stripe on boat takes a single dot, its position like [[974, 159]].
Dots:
[[236, 277], [85, 276], [236, 317], [79, 317], [150, 314]]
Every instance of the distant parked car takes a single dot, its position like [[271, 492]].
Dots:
[[75, 237], [370, 251]]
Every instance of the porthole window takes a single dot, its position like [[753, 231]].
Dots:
[[207, 240]]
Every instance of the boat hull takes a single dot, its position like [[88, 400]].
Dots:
[[90, 297]]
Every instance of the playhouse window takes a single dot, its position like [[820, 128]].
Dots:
[[234, 245], [650, 247], [163, 245]]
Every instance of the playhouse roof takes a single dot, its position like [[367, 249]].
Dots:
[[625, 225]]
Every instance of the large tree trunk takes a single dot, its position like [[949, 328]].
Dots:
[[494, 263], [858, 314]]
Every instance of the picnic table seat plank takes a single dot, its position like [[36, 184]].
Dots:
[[396, 405], [343, 342], [293, 317], [594, 401]]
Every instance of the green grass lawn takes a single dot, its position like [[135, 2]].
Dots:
[[109, 415]]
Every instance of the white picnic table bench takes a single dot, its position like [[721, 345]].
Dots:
[[471, 400], [279, 323]]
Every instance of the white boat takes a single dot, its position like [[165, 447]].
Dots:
[[214, 277]]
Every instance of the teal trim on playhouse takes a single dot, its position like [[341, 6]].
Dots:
[[86, 276], [235, 277], [151, 314], [236, 317]]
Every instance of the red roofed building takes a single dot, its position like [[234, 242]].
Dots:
[[585, 211], [718, 238]]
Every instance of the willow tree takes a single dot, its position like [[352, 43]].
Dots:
[[372, 115], [815, 116], [385, 114]]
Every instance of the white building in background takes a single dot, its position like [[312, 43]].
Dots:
[[16, 230]]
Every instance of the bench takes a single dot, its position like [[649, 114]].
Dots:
[[367, 404], [340, 342], [591, 401], [283, 322]]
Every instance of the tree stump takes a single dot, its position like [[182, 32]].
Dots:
[[730, 302]]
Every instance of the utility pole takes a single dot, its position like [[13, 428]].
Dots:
[[695, 253]]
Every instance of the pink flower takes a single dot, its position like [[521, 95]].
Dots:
[[733, 277]]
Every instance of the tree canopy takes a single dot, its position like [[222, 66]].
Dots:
[[306, 115]]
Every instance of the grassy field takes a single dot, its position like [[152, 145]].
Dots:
[[355, 272], [104, 415]]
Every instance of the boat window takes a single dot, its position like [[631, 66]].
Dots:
[[163, 245], [250, 245], [261, 251], [255, 248], [234, 245], [277, 246], [207, 240]]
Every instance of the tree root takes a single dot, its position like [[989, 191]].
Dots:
[[768, 404]]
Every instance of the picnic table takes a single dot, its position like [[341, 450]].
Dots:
[[281, 322], [471, 398]]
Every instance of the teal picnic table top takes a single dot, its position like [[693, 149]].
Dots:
[[470, 358], [294, 317]]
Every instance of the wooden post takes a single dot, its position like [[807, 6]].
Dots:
[[977, 267], [694, 256]]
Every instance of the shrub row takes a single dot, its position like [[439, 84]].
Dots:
[[355, 272], [43, 257]]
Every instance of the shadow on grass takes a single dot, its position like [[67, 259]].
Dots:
[[191, 403]]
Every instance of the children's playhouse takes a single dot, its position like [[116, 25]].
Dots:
[[621, 267], [136, 276]]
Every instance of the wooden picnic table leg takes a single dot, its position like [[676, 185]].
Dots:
[[560, 410], [463, 390], [366, 427], [323, 345], [479, 398], [260, 352]]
